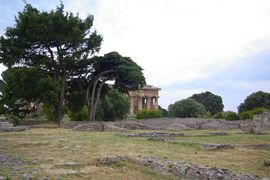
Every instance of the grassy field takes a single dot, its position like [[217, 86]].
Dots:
[[73, 155]]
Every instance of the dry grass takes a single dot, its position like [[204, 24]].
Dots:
[[52, 148]]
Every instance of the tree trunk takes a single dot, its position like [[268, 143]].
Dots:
[[92, 102], [97, 99], [60, 101], [94, 95]]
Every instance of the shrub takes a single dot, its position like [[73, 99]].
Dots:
[[147, 114], [80, 115], [259, 110], [114, 106], [187, 108], [218, 115], [250, 114], [231, 116], [48, 112], [246, 115], [15, 120]]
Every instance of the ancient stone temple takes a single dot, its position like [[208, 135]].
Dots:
[[144, 98]]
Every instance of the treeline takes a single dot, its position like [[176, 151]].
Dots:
[[209, 105]]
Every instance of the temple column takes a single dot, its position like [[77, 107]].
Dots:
[[140, 103], [156, 103], [131, 108], [148, 103]]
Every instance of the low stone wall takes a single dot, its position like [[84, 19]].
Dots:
[[255, 125], [179, 169], [7, 126]]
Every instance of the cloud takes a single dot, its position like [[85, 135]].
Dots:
[[173, 95], [177, 41]]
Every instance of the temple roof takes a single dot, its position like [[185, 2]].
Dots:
[[150, 87]]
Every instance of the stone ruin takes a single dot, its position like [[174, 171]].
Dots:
[[178, 169], [143, 98], [257, 124], [8, 126]]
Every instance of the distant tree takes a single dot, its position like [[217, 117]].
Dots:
[[186, 108], [164, 111], [212, 103], [53, 42], [258, 99]]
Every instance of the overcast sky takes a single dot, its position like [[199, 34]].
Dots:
[[184, 46]]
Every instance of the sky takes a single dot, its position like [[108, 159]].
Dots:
[[184, 46]]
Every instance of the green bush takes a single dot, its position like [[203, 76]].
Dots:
[[15, 120], [218, 115], [48, 112], [79, 115], [114, 106], [250, 114], [207, 115], [187, 108], [246, 115], [147, 114], [259, 110], [231, 116]]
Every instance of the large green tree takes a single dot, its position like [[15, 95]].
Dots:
[[255, 100], [186, 108], [212, 103], [53, 42], [121, 71]]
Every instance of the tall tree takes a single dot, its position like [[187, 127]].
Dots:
[[50, 41], [255, 100], [212, 103], [122, 71]]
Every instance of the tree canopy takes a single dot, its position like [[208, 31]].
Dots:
[[186, 108], [212, 103], [257, 99], [21, 85], [53, 42], [122, 71]]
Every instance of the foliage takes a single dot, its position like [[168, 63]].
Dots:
[[15, 120], [113, 106], [207, 115], [48, 112], [148, 114], [212, 103], [53, 42], [250, 114], [231, 116], [22, 85], [122, 71], [246, 115], [186, 108], [219, 115], [255, 100], [259, 110], [80, 115], [164, 111]]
